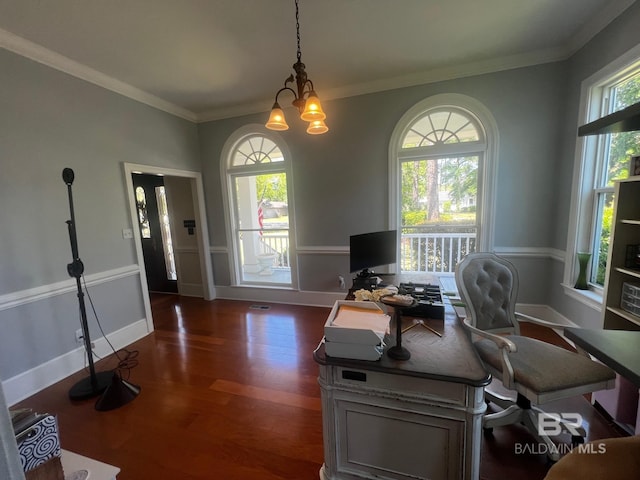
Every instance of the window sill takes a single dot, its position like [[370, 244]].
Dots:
[[587, 297]]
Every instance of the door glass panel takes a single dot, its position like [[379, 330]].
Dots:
[[141, 205], [167, 245]]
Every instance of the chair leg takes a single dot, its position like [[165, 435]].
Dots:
[[508, 416], [530, 420], [501, 400], [529, 415]]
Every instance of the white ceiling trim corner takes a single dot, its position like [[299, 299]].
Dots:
[[40, 54]]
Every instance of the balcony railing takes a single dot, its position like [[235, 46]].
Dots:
[[278, 245], [428, 252], [434, 252]]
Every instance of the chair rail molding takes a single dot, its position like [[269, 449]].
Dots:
[[22, 297]]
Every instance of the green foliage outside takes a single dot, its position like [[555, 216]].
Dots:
[[458, 177], [621, 148], [272, 187]]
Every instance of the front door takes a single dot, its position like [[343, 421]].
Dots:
[[154, 232]]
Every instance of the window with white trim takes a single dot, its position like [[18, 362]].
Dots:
[[441, 157], [605, 158], [259, 209]]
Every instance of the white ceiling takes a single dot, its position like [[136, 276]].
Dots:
[[208, 59]]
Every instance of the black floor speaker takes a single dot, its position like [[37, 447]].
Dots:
[[118, 393]]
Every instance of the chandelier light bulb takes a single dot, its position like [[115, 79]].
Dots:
[[317, 127], [312, 109], [276, 119]]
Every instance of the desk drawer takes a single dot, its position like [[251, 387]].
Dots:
[[401, 385]]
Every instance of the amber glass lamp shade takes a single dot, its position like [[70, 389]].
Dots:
[[317, 127], [276, 119], [312, 109]]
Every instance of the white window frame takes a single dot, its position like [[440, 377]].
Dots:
[[228, 172], [488, 160], [588, 165]]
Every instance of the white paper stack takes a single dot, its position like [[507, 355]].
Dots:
[[356, 330]]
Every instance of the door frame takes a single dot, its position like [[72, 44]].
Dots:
[[202, 231]]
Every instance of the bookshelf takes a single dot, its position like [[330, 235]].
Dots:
[[625, 230]]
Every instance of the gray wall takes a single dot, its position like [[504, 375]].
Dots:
[[341, 178], [619, 37], [48, 121]]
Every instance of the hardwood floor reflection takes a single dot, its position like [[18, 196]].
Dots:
[[229, 390]]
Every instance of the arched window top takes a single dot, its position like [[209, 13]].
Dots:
[[254, 150], [442, 126]]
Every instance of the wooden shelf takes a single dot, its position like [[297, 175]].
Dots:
[[626, 315], [624, 232], [626, 120], [628, 271]]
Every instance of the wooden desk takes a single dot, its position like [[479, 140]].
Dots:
[[417, 419], [618, 349]]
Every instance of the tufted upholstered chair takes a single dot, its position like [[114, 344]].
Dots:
[[537, 371]]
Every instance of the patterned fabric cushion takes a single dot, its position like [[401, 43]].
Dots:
[[543, 367]]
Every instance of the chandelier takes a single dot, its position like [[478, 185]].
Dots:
[[309, 107]]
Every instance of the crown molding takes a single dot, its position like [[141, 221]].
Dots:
[[411, 80], [40, 54]]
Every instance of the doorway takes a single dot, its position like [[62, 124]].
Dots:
[[201, 265], [155, 232]]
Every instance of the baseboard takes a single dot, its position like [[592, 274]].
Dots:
[[32, 381], [190, 289], [544, 312], [279, 295]]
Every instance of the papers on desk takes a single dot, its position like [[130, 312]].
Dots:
[[356, 330], [353, 350]]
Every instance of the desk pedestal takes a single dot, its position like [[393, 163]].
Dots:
[[414, 419], [399, 427]]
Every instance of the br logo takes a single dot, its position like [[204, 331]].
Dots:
[[551, 424]]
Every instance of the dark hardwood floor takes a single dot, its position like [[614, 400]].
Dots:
[[230, 391]]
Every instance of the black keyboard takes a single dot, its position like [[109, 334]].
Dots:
[[429, 299]]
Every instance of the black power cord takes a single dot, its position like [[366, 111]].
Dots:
[[127, 359]]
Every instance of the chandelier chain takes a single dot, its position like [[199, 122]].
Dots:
[[305, 98], [299, 55]]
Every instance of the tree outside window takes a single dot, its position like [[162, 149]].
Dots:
[[614, 152], [439, 162]]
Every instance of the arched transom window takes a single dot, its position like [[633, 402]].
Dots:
[[256, 150], [439, 127]]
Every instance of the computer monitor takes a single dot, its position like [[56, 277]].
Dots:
[[370, 250]]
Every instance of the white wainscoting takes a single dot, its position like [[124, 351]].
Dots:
[[32, 381]]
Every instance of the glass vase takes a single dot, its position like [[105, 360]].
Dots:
[[583, 263]]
